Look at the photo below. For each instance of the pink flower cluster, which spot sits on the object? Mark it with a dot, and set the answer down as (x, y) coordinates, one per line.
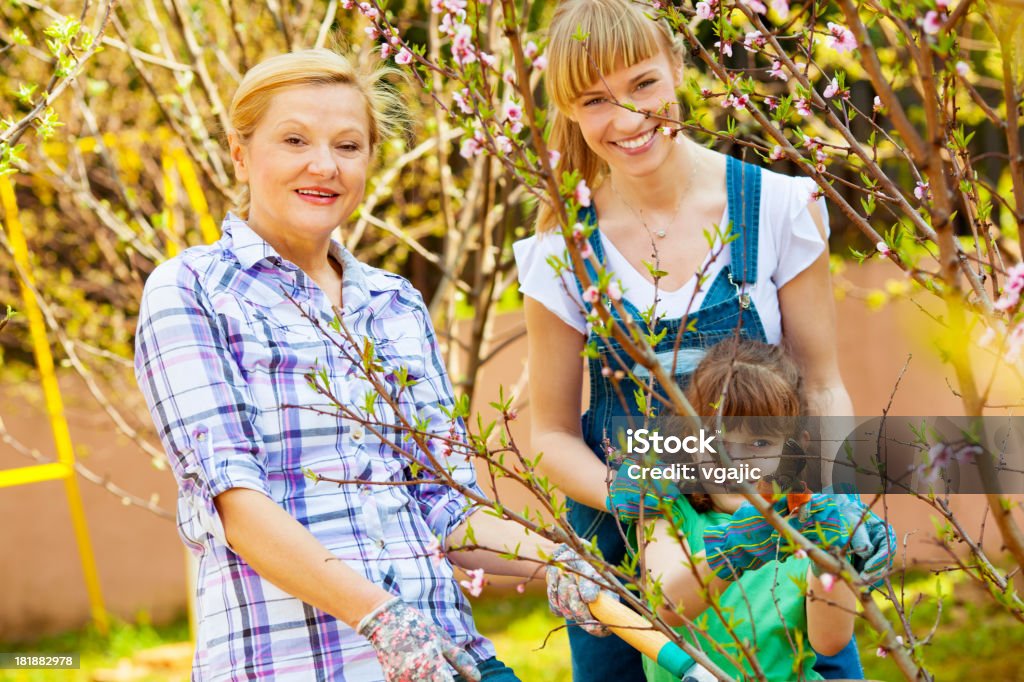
(476, 582)
(1012, 289)
(841, 39)
(941, 455)
(613, 291)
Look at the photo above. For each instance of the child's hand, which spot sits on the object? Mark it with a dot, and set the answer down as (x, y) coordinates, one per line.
(874, 541)
(572, 584)
(747, 541)
(627, 495)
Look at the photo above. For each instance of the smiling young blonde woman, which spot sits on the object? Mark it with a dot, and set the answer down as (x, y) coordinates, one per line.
(656, 193)
(300, 581)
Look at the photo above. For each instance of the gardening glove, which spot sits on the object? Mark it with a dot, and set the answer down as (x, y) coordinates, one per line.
(411, 648)
(572, 584)
(873, 543)
(626, 495)
(747, 541)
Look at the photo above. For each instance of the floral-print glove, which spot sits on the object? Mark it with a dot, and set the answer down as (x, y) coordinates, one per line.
(411, 648)
(873, 544)
(747, 541)
(572, 584)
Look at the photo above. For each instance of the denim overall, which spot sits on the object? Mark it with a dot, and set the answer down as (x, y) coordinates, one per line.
(727, 309)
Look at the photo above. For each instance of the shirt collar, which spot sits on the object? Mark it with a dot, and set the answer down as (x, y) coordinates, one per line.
(359, 280)
(249, 248)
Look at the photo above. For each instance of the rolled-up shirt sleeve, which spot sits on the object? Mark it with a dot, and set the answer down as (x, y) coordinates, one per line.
(444, 507)
(199, 399)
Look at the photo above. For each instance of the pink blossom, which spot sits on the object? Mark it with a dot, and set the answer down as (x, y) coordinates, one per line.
(735, 102)
(932, 23)
(800, 554)
(943, 5)
(434, 551)
(369, 11)
(530, 51)
(509, 76)
(781, 7)
(803, 106)
(962, 69)
(448, 25)
(614, 290)
(471, 147)
(828, 581)
(476, 583)
(841, 39)
(520, 588)
(771, 102)
(488, 59)
(877, 106)
(987, 338)
(540, 63)
(385, 50)
(372, 32)
(883, 249)
(777, 72)
(462, 46)
(404, 56)
(1015, 343)
(921, 191)
(461, 98)
(725, 48)
(777, 153)
(832, 89)
(704, 11)
(554, 156)
(755, 6)
(1012, 288)
(513, 112)
(606, 372)
(503, 144)
(582, 193)
(591, 295)
(754, 40)
(348, 4)
(586, 251)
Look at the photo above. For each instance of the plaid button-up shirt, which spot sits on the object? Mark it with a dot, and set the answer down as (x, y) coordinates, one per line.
(222, 357)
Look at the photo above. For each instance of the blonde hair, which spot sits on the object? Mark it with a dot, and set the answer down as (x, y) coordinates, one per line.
(318, 66)
(618, 34)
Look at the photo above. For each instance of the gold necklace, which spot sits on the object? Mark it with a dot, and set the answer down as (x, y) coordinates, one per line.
(660, 234)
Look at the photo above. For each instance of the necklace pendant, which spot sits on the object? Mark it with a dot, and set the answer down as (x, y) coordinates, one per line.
(660, 234)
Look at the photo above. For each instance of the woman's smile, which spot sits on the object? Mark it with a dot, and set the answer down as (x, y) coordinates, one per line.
(638, 143)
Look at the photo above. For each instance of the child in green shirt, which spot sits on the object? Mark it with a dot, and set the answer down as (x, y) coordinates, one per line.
(781, 610)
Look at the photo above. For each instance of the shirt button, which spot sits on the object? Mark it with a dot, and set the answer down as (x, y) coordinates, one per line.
(357, 433)
(380, 543)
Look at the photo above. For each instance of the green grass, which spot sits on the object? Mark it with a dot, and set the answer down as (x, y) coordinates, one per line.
(975, 639)
(96, 651)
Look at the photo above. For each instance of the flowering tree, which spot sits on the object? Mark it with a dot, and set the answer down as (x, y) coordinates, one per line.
(907, 115)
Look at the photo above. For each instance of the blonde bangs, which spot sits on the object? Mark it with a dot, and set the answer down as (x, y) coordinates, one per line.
(619, 34)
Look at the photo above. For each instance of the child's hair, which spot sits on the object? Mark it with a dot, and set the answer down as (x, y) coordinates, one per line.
(619, 33)
(754, 387)
(317, 66)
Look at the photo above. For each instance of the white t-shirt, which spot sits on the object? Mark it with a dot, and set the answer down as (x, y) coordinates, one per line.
(788, 243)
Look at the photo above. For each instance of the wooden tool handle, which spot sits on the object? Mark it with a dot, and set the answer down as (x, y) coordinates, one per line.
(628, 625)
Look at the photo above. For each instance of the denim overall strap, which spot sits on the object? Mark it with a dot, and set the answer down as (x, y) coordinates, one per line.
(743, 182)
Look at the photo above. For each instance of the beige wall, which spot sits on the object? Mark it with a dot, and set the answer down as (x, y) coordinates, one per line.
(141, 561)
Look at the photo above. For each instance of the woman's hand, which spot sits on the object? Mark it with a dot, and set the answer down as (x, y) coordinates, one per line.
(411, 648)
(572, 584)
